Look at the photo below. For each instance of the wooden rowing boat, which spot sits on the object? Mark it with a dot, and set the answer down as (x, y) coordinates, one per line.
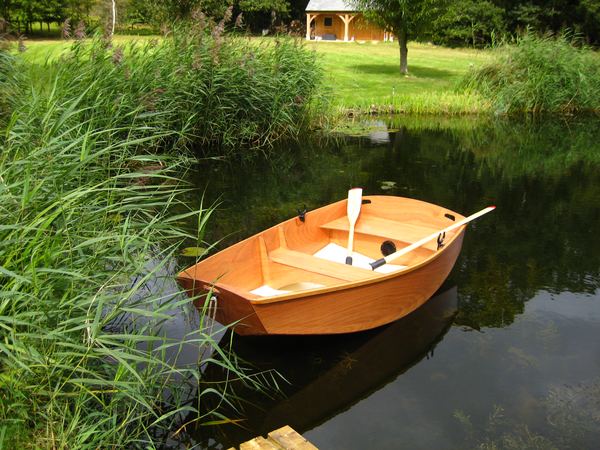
(291, 278)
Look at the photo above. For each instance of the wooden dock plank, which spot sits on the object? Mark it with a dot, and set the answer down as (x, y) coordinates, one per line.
(284, 438)
(259, 443)
(288, 439)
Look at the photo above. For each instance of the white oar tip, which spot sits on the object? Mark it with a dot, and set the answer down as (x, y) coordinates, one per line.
(492, 207)
(355, 196)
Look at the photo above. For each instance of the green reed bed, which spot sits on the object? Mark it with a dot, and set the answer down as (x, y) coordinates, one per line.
(222, 94)
(87, 229)
(92, 214)
(540, 74)
(8, 83)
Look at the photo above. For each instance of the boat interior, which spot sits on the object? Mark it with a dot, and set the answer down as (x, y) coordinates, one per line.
(309, 252)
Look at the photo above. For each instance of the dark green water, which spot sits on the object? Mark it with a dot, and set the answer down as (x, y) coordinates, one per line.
(506, 356)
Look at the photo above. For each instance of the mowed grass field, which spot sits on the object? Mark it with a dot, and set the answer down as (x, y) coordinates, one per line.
(365, 77)
(37, 51)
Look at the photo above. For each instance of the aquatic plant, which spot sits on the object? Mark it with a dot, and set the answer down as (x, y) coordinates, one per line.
(540, 74)
(221, 94)
(8, 81)
(92, 214)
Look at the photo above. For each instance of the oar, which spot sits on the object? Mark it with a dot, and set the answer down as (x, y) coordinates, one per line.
(389, 258)
(354, 202)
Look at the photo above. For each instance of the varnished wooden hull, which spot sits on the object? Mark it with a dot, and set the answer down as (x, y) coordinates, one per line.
(348, 299)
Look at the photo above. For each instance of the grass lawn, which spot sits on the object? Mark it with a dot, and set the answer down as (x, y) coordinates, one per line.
(366, 76)
(361, 76)
(38, 50)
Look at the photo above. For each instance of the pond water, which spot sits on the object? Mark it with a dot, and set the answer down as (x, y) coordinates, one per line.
(506, 355)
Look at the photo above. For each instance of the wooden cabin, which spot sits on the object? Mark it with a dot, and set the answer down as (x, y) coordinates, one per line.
(337, 20)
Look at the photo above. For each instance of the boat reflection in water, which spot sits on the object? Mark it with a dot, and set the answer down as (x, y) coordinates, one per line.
(325, 375)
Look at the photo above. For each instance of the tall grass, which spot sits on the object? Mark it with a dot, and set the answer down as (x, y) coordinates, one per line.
(221, 95)
(86, 230)
(8, 82)
(91, 218)
(540, 74)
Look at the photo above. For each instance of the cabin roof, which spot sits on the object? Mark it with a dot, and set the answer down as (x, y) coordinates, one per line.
(330, 5)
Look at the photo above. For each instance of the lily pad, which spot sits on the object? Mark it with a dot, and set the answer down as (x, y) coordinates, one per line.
(194, 251)
(387, 185)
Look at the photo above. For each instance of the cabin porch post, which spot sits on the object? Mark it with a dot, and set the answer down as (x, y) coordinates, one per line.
(346, 18)
(309, 18)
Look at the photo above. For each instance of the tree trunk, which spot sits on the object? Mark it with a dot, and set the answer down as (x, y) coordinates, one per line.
(114, 16)
(403, 51)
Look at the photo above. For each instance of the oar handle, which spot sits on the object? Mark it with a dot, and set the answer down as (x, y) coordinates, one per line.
(389, 258)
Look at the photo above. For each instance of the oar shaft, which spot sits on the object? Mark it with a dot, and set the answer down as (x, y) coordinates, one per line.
(350, 244)
(354, 204)
(425, 240)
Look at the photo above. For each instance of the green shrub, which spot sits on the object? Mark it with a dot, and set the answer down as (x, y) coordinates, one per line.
(540, 74)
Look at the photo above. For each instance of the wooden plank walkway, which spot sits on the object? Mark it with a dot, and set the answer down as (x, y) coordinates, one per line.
(284, 438)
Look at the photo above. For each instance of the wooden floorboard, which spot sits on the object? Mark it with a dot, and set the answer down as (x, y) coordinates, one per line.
(284, 438)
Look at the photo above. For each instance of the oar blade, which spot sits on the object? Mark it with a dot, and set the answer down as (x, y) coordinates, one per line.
(354, 203)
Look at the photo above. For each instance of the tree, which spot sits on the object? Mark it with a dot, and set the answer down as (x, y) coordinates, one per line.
(261, 14)
(590, 11)
(404, 18)
(469, 22)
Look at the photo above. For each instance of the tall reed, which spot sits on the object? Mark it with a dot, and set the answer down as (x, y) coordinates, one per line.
(92, 216)
(8, 82)
(540, 74)
(222, 95)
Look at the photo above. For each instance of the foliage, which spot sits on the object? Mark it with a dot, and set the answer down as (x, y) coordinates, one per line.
(91, 213)
(25, 12)
(263, 14)
(264, 5)
(469, 22)
(87, 246)
(590, 19)
(8, 83)
(220, 94)
(530, 16)
(538, 74)
(159, 12)
(405, 19)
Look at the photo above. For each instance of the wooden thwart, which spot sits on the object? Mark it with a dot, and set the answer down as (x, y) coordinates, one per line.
(284, 438)
(311, 263)
(384, 228)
